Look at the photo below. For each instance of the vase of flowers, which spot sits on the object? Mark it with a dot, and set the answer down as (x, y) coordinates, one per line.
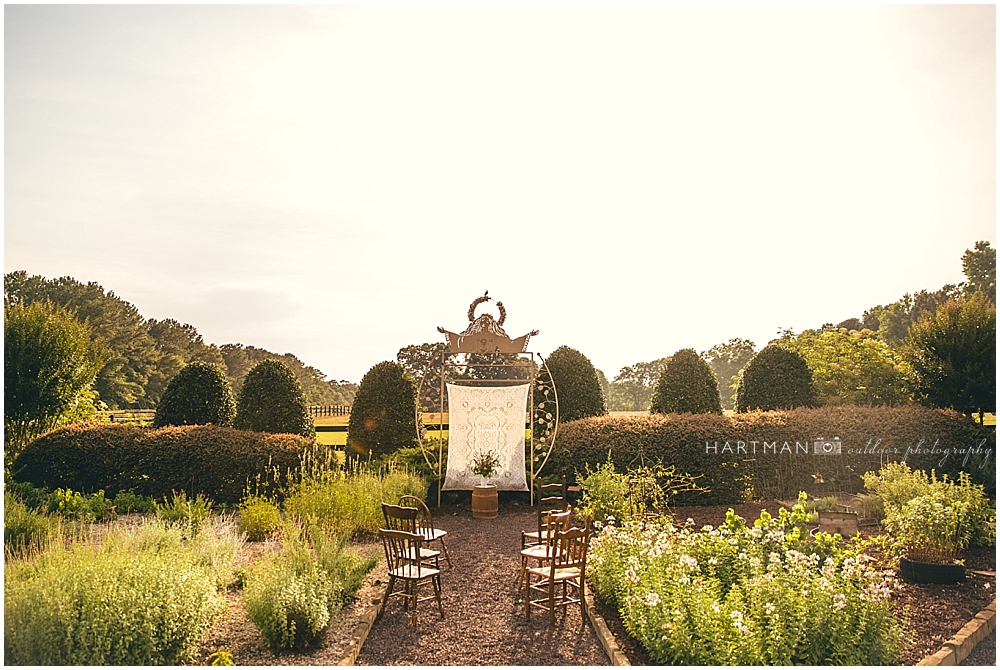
(485, 503)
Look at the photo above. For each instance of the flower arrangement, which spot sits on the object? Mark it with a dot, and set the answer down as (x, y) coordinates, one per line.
(485, 464)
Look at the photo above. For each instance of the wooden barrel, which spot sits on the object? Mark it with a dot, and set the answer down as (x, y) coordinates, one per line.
(484, 501)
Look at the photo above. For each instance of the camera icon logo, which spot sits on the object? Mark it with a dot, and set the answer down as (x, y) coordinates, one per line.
(823, 447)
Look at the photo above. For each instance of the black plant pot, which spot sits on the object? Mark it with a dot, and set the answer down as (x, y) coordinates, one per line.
(931, 573)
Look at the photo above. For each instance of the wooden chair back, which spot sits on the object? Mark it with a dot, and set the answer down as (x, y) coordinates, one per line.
(572, 548)
(398, 545)
(400, 518)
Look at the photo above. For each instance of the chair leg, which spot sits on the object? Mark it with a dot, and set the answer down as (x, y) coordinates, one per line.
(413, 596)
(552, 603)
(447, 555)
(385, 600)
(520, 577)
(583, 603)
(437, 593)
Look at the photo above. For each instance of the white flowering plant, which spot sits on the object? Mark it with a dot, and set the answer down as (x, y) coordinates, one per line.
(746, 594)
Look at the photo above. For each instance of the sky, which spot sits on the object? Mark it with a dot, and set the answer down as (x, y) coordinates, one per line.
(338, 181)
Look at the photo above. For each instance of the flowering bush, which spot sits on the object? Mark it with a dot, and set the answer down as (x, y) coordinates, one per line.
(746, 594)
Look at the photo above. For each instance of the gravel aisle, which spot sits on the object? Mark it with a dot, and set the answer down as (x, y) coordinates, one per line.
(484, 623)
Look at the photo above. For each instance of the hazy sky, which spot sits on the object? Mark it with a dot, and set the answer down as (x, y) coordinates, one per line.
(337, 181)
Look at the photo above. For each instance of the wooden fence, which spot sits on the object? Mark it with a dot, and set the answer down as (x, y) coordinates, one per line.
(330, 410)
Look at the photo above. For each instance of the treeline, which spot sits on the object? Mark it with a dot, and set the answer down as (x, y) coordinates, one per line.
(859, 361)
(143, 355)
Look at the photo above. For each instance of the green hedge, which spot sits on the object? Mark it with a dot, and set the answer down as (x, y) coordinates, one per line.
(211, 460)
(869, 436)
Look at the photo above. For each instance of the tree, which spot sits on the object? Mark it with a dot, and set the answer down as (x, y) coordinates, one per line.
(50, 362)
(577, 385)
(240, 359)
(775, 378)
(686, 384)
(272, 401)
(198, 394)
(980, 268)
(383, 415)
(851, 367)
(726, 361)
(632, 387)
(416, 357)
(953, 355)
(116, 323)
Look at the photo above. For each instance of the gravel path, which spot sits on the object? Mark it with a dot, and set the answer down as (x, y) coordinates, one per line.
(484, 620)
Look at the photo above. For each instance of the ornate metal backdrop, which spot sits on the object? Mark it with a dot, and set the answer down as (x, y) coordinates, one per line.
(484, 356)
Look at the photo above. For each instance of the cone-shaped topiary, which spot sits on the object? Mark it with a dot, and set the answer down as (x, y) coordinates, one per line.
(577, 385)
(686, 384)
(775, 378)
(199, 394)
(383, 415)
(272, 401)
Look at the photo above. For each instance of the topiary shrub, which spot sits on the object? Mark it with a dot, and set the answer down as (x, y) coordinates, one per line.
(272, 401)
(214, 461)
(199, 394)
(686, 384)
(577, 385)
(383, 415)
(775, 379)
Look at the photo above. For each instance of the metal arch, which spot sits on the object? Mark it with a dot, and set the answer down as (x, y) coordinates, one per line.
(545, 413)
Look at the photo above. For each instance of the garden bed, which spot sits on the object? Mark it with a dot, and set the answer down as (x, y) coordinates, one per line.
(936, 612)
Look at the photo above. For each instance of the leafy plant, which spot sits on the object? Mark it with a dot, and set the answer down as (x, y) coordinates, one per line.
(127, 501)
(259, 518)
(292, 596)
(123, 603)
(189, 514)
(73, 505)
(271, 400)
(604, 494)
(198, 394)
(931, 528)
(686, 384)
(25, 530)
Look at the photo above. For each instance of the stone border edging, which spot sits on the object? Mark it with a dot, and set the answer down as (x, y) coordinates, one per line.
(361, 630)
(603, 633)
(958, 648)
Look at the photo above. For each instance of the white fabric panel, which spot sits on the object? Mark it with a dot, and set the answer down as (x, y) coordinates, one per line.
(486, 419)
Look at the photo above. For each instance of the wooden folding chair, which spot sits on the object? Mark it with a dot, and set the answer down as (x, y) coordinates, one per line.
(566, 570)
(398, 545)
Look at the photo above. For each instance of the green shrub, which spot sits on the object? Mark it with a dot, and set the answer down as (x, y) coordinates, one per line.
(259, 518)
(188, 514)
(577, 385)
(350, 501)
(127, 501)
(272, 401)
(32, 496)
(215, 461)
(604, 494)
(870, 507)
(199, 394)
(113, 605)
(292, 596)
(934, 518)
(25, 530)
(686, 384)
(72, 505)
(775, 379)
(383, 415)
(697, 444)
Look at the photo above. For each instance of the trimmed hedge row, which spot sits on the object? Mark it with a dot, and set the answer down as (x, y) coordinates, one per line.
(215, 461)
(721, 448)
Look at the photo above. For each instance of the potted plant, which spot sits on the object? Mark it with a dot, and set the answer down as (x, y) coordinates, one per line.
(930, 531)
(485, 503)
